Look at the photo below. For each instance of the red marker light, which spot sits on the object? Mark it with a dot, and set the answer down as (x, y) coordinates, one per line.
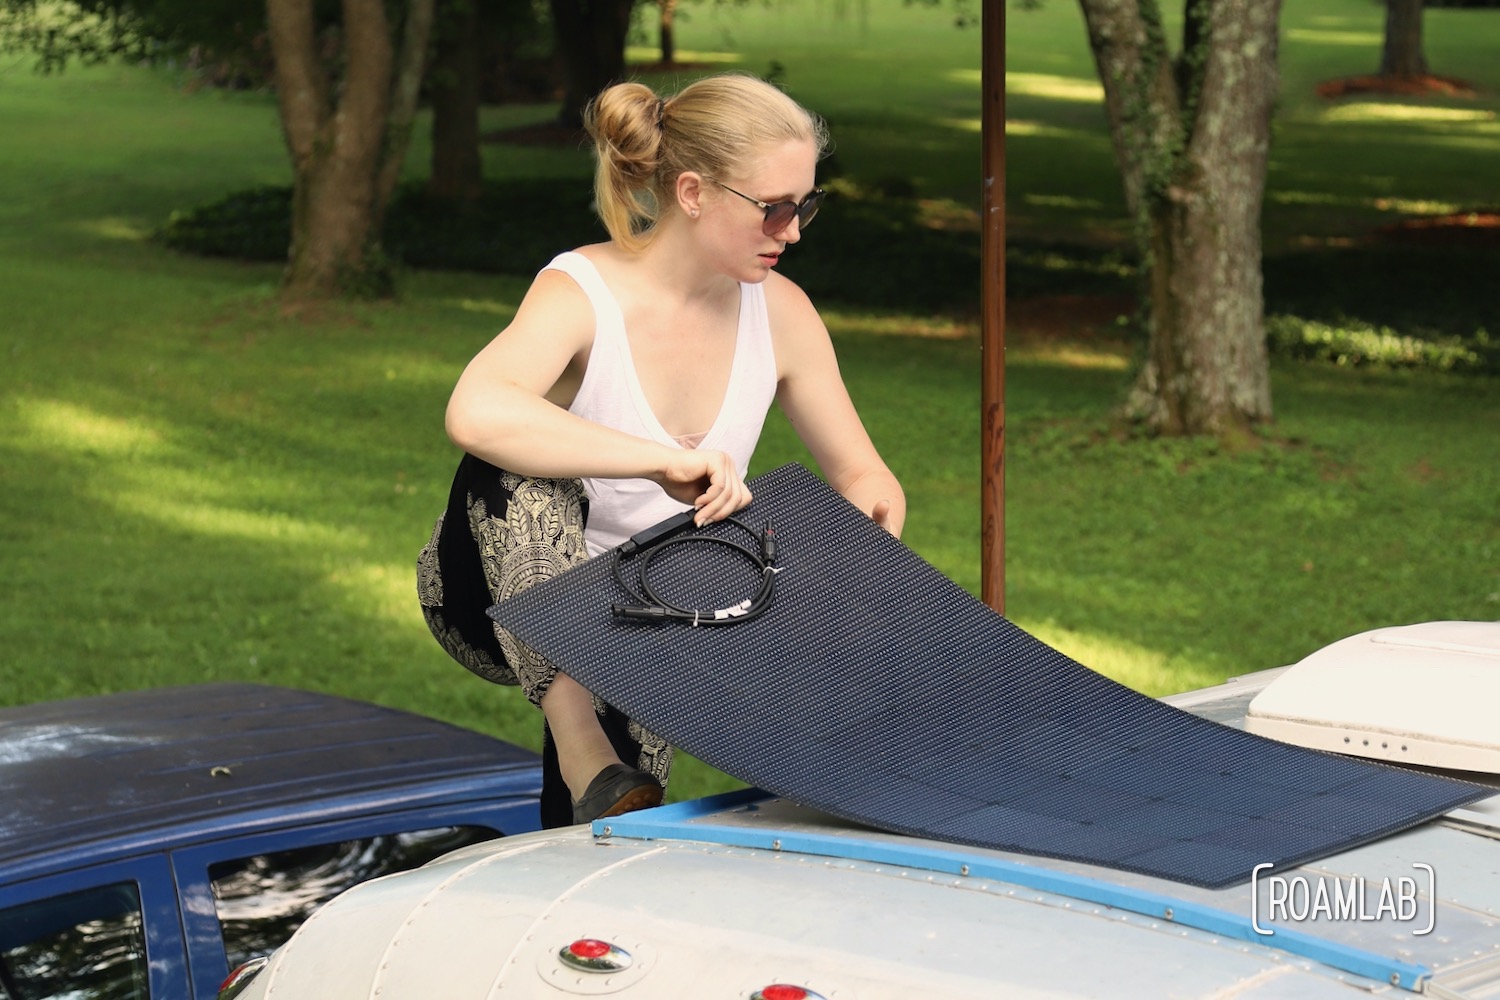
(239, 980)
(589, 948)
(784, 991)
(594, 955)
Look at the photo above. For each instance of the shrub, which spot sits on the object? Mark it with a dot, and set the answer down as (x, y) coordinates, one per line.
(512, 228)
(246, 225)
(1358, 344)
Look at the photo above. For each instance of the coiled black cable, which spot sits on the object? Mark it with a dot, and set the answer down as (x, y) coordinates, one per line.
(651, 606)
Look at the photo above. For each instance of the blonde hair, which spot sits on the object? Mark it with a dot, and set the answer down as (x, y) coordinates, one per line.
(642, 143)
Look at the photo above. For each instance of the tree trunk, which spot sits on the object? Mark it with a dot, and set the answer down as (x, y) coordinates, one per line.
(1192, 140)
(667, 31)
(591, 43)
(457, 163)
(339, 148)
(406, 91)
(1402, 55)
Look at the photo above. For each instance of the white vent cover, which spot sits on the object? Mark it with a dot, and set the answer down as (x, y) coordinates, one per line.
(1426, 694)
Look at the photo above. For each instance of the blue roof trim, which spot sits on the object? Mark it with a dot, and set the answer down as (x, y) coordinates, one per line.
(682, 812)
(679, 822)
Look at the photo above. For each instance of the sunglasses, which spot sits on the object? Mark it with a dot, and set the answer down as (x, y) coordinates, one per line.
(779, 215)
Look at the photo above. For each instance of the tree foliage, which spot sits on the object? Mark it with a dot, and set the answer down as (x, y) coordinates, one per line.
(91, 31)
(61, 31)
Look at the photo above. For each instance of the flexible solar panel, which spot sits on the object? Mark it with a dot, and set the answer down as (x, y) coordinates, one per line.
(874, 689)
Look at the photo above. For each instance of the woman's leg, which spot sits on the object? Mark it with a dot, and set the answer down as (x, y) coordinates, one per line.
(522, 531)
(582, 748)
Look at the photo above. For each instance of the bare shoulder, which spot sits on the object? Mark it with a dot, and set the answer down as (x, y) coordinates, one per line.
(797, 331)
(786, 300)
(555, 303)
(791, 312)
(599, 251)
(545, 347)
(552, 327)
(608, 259)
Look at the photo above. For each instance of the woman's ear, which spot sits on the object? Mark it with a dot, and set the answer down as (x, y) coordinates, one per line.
(689, 189)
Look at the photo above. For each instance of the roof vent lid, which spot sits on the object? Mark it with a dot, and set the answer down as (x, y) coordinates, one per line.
(1426, 695)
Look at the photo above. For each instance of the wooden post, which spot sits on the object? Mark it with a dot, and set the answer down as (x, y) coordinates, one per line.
(992, 306)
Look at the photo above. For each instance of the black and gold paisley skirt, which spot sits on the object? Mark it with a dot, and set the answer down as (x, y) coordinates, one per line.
(500, 534)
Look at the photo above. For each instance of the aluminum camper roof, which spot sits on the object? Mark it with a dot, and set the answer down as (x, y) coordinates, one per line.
(720, 897)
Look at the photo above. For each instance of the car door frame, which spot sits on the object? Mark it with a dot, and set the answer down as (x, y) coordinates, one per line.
(161, 919)
(202, 936)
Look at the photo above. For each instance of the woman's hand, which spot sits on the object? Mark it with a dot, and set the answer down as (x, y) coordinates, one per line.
(708, 480)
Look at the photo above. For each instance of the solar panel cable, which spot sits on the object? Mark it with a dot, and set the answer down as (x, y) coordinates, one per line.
(650, 605)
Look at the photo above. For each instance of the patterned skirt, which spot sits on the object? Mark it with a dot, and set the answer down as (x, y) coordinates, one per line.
(500, 534)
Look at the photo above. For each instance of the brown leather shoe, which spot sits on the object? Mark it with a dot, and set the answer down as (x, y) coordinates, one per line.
(619, 788)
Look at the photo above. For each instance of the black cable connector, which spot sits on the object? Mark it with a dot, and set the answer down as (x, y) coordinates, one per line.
(648, 537)
(655, 540)
(637, 611)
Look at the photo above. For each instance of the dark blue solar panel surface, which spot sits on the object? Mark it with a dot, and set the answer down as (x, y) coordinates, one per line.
(877, 690)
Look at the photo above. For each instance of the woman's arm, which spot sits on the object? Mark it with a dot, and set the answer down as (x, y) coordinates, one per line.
(509, 408)
(812, 394)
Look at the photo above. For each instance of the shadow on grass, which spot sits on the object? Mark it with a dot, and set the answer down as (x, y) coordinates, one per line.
(886, 250)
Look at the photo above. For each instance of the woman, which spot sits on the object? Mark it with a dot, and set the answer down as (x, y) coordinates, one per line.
(633, 383)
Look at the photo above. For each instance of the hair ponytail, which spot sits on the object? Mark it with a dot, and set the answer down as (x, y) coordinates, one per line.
(625, 124)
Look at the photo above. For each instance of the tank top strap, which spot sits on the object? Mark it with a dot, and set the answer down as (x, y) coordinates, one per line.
(607, 316)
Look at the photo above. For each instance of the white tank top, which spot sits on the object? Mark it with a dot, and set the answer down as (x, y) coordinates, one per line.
(611, 394)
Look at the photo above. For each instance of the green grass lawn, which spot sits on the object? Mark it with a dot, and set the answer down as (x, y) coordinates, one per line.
(198, 486)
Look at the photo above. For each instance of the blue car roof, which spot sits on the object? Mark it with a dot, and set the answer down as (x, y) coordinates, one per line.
(171, 759)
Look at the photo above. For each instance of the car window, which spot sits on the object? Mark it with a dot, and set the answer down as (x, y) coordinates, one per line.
(261, 900)
(87, 945)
